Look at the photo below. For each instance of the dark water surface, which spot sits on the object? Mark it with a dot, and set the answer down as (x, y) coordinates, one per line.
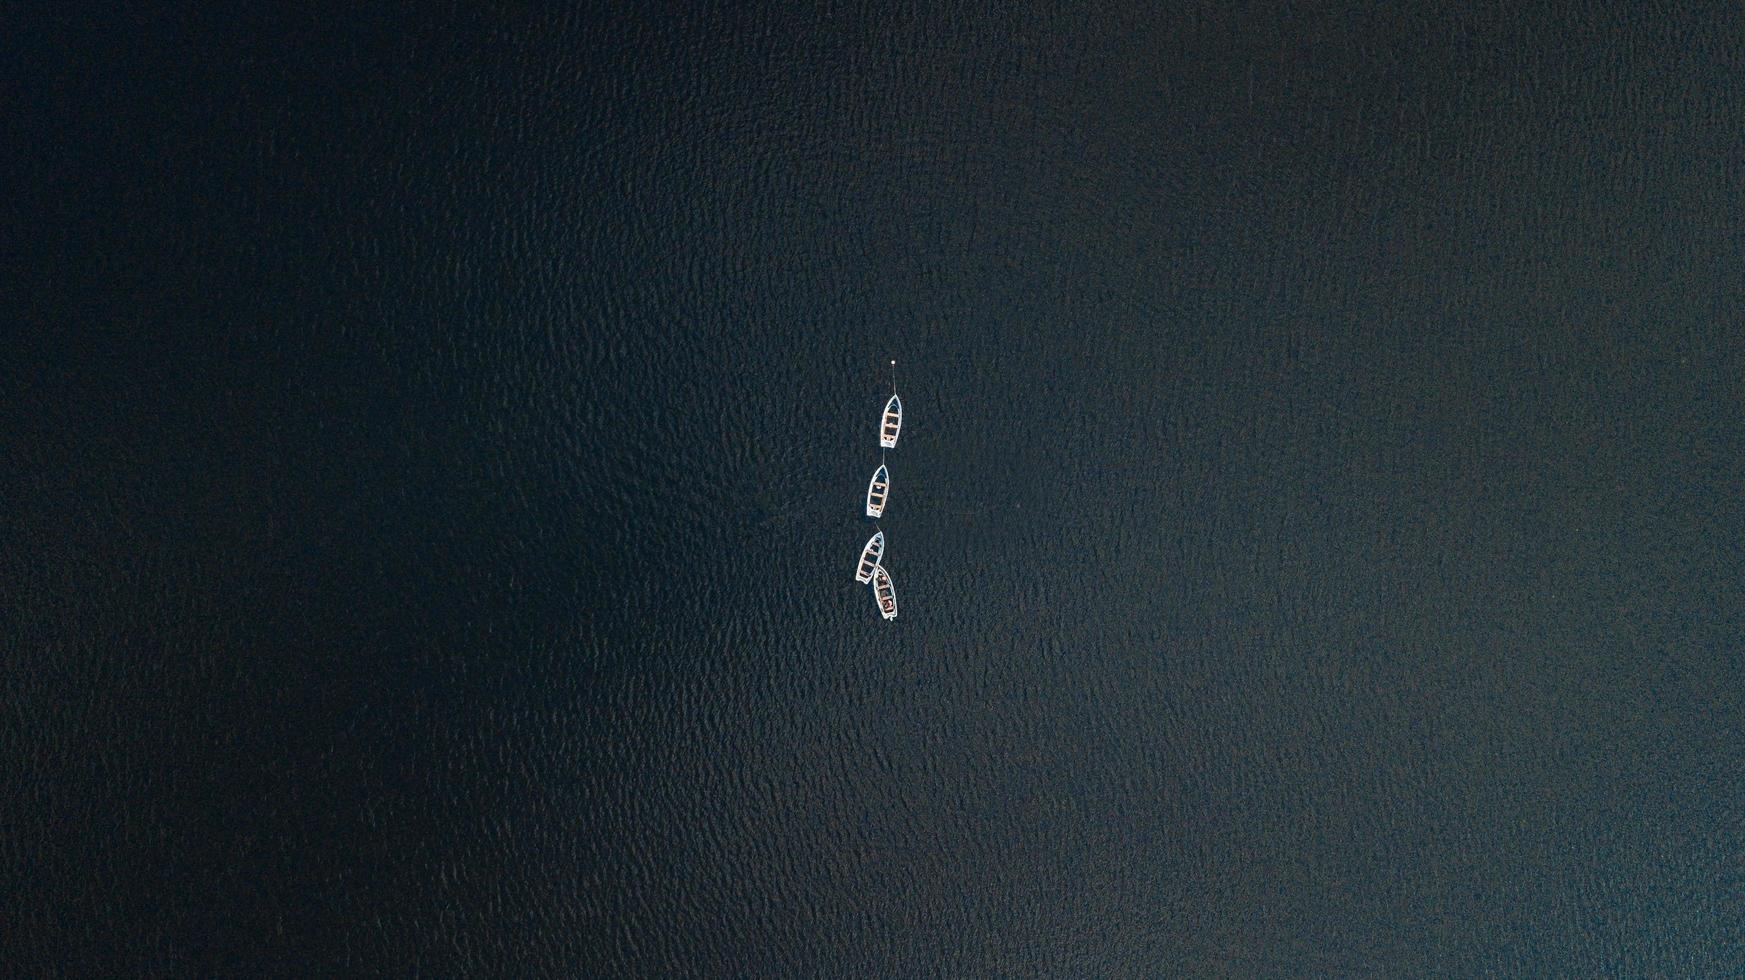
(433, 442)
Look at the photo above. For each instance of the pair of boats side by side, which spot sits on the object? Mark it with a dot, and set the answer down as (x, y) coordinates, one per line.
(871, 571)
(878, 491)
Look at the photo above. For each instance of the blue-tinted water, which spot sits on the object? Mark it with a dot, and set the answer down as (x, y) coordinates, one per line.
(435, 443)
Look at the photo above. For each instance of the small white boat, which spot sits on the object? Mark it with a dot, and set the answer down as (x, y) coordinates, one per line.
(892, 424)
(877, 491)
(883, 591)
(869, 557)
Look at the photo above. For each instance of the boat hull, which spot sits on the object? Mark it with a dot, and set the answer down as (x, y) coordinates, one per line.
(885, 593)
(869, 558)
(877, 492)
(891, 425)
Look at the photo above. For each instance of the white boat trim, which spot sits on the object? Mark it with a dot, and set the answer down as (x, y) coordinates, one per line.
(884, 592)
(877, 491)
(892, 424)
(869, 557)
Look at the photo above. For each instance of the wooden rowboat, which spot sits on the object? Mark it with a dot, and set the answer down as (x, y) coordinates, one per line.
(877, 491)
(892, 423)
(884, 592)
(869, 557)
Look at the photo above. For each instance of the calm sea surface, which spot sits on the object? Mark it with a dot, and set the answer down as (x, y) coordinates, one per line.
(433, 444)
